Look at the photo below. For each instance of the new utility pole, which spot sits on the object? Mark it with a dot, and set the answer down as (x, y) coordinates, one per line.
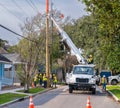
(47, 45)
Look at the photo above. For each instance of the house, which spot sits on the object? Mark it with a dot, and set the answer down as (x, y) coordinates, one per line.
(8, 64)
(16, 60)
(2, 50)
(4, 80)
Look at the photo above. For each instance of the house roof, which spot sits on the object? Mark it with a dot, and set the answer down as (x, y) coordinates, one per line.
(3, 59)
(14, 57)
(2, 50)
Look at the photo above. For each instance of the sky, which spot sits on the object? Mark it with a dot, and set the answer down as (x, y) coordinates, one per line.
(14, 12)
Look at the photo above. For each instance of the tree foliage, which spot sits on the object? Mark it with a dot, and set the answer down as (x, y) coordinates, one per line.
(106, 16)
(3, 42)
(32, 49)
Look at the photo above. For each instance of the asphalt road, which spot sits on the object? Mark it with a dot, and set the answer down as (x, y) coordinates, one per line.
(60, 98)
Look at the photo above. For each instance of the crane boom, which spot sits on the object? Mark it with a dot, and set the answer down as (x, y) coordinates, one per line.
(73, 49)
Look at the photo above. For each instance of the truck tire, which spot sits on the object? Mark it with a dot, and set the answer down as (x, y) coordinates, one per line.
(114, 82)
(70, 90)
(93, 90)
(97, 83)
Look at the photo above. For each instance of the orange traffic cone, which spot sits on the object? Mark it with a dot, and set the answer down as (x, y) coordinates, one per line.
(88, 105)
(31, 104)
(32, 84)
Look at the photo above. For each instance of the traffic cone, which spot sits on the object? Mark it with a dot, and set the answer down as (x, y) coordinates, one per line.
(33, 85)
(88, 105)
(31, 104)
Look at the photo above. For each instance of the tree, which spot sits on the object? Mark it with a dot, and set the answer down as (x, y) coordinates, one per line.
(31, 49)
(83, 33)
(108, 21)
(3, 42)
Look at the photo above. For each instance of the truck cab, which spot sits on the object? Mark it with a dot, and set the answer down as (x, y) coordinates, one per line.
(82, 77)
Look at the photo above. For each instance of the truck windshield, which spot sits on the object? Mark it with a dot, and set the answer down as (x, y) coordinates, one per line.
(83, 70)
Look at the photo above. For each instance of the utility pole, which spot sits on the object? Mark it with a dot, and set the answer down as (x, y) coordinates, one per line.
(51, 38)
(47, 45)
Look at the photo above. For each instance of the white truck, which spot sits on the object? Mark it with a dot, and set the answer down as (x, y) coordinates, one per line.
(82, 76)
(113, 80)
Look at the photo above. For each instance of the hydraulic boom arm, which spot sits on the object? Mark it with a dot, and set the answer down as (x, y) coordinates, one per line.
(74, 50)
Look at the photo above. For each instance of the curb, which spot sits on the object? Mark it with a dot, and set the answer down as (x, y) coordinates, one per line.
(113, 96)
(26, 97)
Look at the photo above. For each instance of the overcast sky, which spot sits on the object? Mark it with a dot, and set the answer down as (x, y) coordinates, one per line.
(14, 12)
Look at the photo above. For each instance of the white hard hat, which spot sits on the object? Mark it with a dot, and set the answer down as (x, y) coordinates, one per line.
(103, 75)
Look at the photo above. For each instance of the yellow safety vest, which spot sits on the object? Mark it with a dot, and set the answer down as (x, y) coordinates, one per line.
(44, 78)
(40, 76)
(103, 80)
(35, 78)
(55, 79)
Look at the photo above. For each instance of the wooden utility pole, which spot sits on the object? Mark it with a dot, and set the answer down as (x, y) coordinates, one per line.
(51, 39)
(47, 45)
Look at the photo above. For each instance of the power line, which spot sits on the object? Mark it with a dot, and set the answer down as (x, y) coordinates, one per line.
(17, 18)
(22, 36)
(18, 6)
(32, 6)
(16, 33)
(11, 12)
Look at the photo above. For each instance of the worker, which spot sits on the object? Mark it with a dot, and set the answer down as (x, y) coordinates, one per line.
(104, 82)
(54, 80)
(45, 81)
(40, 79)
(90, 59)
(35, 80)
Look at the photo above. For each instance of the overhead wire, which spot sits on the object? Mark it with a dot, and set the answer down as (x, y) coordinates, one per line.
(39, 48)
(16, 33)
(29, 3)
(19, 34)
(18, 6)
(34, 6)
(10, 12)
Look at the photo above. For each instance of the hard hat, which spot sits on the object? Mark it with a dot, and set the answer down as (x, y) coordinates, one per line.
(90, 55)
(103, 75)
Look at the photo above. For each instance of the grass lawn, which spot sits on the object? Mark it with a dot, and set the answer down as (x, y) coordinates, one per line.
(115, 90)
(33, 90)
(9, 97)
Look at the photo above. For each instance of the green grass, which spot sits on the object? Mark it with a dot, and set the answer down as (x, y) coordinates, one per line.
(36, 90)
(33, 90)
(115, 90)
(9, 97)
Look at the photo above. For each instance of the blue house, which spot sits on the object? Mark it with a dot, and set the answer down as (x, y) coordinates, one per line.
(3, 79)
(11, 69)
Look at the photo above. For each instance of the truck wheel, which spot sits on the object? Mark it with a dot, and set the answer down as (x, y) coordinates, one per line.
(97, 82)
(114, 82)
(93, 90)
(70, 90)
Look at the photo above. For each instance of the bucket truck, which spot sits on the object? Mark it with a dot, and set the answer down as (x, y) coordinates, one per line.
(82, 76)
